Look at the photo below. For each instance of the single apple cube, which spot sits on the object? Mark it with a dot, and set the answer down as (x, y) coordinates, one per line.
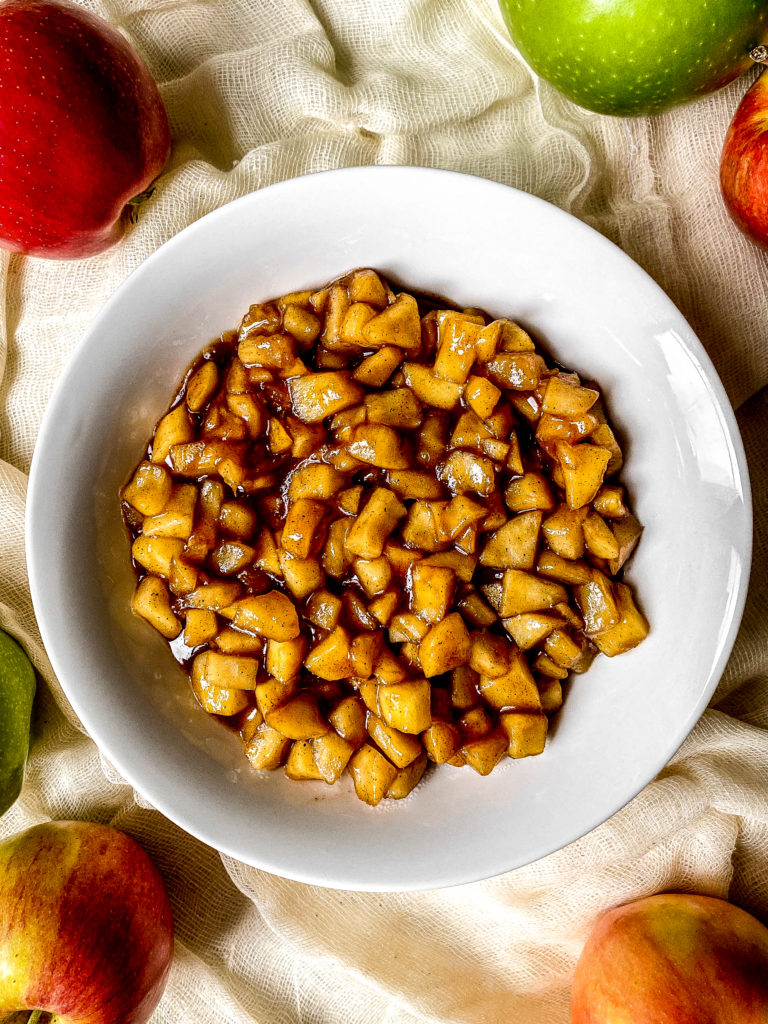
(545, 666)
(302, 575)
(173, 429)
(300, 764)
(550, 694)
(237, 519)
(515, 689)
(565, 398)
(564, 570)
(406, 705)
(217, 595)
(530, 628)
(234, 641)
(599, 537)
(267, 749)
(323, 609)
(182, 578)
(232, 556)
(149, 492)
(384, 607)
(301, 526)
(226, 671)
(395, 408)
(475, 610)
(596, 604)
(378, 445)
(457, 336)
(630, 629)
(482, 396)
(415, 484)
(502, 335)
(465, 472)
(523, 592)
(285, 657)
(314, 480)
(369, 531)
(272, 615)
(424, 528)
(461, 564)
(445, 647)
(336, 557)
(372, 774)
(529, 492)
(627, 533)
(348, 719)
(429, 389)
(490, 654)
(177, 519)
(329, 659)
(407, 778)
(155, 554)
(441, 741)
(299, 718)
(375, 370)
(399, 324)
(301, 324)
(520, 371)
(464, 693)
(317, 395)
(583, 467)
(355, 319)
(152, 601)
(432, 588)
(513, 546)
(200, 626)
(365, 652)
(564, 531)
(331, 753)
(526, 733)
(407, 627)
(485, 753)
(563, 649)
(366, 286)
(202, 385)
(270, 693)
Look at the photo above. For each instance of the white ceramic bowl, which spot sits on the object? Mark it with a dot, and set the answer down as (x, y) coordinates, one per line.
(480, 244)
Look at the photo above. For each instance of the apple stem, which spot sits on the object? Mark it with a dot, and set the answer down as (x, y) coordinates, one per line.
(760, 54)
(37, 1016)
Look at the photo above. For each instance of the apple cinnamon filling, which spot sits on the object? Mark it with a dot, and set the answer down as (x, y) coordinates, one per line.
(380, 533)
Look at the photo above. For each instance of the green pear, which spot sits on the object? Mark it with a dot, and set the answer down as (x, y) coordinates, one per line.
(17, 691)
(632, 57)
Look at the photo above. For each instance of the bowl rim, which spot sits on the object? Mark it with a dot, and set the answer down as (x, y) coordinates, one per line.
(36, 492)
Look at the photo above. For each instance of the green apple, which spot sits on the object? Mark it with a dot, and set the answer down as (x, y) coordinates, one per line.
(17, 691)
(631, 57)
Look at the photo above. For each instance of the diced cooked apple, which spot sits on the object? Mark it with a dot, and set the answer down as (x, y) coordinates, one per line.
(432, 588)
(482, 396)
(365, 652)
(564, 398)
(515, 689)
(329, 659)
(268, 748)
(520, 371)
(630, 628)
(378, 445)
(299, 718)
(414, 483)
(528, 492)
(596, 604)
(465, 472)
(375, 370)
(441, 741)
(370, 530)
(526, 733)
(599, 537)
(173, 429)
(150, 489)
(485, 753)
(317, 395)
(550, 693)
(490, 654)
(152, 601)
(398, 324)
(218, 701)
(399, 747)
(348, 719)
(272, 615)
(155, 554)
(627, 533)
(323, 609)
(514, 545)
(445, 647)
(314, 480)
(523, 592)
(200, 626)
(407, 778)
(530, 628)
(235, 641)
(372, 774)
(583, 466)
(429, 389)
(395, 408)
(331, 753)
(302, 576)
(406, 706)
(226, 671)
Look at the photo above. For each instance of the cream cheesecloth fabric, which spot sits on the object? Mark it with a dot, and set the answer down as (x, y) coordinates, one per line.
(262, 90)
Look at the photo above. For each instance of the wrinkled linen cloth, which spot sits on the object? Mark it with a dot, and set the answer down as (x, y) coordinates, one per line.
(262, 90)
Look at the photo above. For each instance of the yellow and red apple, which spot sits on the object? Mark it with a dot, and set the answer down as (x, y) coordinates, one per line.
(744, 163)
(86, 931)
(673, 959)
(83, 130)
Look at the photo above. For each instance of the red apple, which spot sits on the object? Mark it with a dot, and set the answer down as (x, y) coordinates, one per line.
(83, 130)
(86, 930)
(673, 959)
(744, 163)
